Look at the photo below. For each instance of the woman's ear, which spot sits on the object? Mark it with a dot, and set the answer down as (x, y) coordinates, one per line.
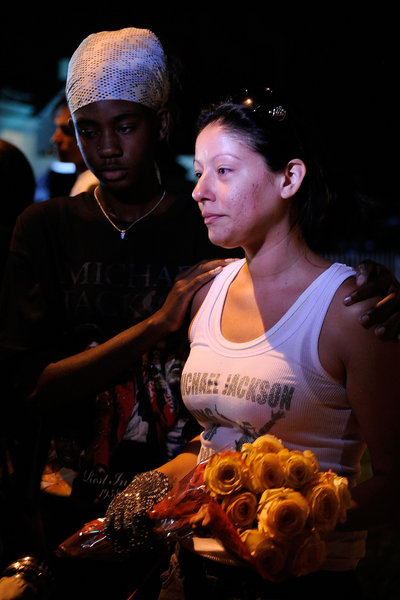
(164, 119)
(293, 176)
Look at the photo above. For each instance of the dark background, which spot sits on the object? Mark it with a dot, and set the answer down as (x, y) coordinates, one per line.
(337, 63)
(341, 66)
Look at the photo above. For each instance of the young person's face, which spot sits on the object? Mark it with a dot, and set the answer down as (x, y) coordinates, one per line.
(118, 139)
(239, 197)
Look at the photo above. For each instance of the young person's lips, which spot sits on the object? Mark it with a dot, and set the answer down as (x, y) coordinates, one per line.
(112, 174)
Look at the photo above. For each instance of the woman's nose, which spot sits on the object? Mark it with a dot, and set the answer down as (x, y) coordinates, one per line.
(201, 190)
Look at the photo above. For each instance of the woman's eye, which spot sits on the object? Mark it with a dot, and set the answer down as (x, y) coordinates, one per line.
(223, 170)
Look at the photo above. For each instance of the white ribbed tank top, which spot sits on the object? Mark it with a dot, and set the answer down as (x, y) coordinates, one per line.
(273, 384)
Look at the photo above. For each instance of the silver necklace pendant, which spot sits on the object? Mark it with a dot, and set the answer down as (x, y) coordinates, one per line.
(123, 231)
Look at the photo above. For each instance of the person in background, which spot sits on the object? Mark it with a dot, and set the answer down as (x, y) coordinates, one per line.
(18, 188)
(19, 184)
(67, 150)
(275, 317)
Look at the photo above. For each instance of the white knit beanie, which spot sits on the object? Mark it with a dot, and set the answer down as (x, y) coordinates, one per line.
(128, 64)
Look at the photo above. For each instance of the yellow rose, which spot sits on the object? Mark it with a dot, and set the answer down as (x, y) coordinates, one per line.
(282, 513)
(341, 486)
(324, 503)
(300, 467)
(241, 508)
(268, 554)
(306, 555)
(265, 471)
(267, 443)
(225, 473)
(248, 452)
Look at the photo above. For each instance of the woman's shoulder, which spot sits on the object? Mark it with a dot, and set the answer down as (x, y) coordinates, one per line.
(342, 332)
(341, 318)
(352, 312)
(233, 265)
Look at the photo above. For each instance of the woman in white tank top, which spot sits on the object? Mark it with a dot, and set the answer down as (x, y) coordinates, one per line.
(273, 343)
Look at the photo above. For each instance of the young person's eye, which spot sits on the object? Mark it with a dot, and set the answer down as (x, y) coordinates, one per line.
(86, 132)
(126, 127)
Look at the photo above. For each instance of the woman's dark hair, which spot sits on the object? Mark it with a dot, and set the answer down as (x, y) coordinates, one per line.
(269, 129)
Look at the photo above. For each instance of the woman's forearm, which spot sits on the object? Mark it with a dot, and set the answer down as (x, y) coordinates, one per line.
(181, 465)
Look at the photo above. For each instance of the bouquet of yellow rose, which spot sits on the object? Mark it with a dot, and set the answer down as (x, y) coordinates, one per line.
(266, 504)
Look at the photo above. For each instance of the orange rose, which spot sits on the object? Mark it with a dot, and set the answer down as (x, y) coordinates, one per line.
(324, 503)
(268, 554)
(225, 473)
(282, 513)
(265, 471)
(300, 467)
(306, 555)
(241, 508)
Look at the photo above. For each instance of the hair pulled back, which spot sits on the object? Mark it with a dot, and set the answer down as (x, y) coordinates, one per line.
(269, 128)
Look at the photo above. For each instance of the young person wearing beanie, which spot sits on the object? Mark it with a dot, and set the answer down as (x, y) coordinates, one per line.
(90, 314)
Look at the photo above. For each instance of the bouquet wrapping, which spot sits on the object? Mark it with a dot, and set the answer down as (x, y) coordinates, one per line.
(267, 505)
(89, 542)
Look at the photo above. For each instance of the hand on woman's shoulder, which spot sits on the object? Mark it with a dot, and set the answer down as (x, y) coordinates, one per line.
(342, 334)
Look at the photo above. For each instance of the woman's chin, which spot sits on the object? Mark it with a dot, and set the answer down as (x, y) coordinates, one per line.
(221, 242)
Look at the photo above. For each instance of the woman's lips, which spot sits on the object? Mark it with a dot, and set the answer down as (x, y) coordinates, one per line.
(210, 218)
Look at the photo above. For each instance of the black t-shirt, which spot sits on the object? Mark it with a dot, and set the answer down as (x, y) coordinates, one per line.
(72, 282)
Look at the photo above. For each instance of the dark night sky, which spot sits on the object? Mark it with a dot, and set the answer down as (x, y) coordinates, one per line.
(341, 68)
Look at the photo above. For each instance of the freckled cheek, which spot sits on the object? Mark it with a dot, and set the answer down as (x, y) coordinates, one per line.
(257, 192)
(245, 203)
